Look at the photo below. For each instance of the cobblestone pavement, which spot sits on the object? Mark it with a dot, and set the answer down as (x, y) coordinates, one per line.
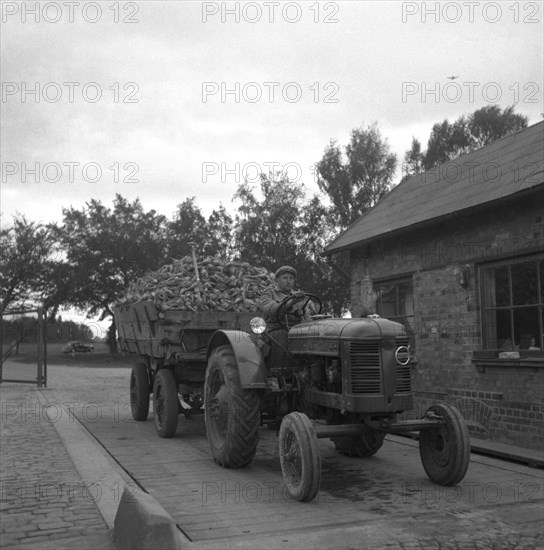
(43, 501)
(383, 502)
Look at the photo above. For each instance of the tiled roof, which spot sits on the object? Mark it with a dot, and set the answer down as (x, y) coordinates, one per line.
(503, 168)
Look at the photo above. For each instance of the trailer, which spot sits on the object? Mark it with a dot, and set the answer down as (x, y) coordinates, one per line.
(172, 349)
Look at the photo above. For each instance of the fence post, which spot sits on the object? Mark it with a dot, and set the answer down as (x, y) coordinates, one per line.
(40, 347)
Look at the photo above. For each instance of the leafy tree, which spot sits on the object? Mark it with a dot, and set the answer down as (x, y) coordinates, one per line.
(447, 142)
(318, 227)
(25, 262)
(188, 225)
(220, 234)
(356, 184)
(450, 140)
(267, 228)
(280, 227)
(490, 123)
(106, 249)
(413, 160)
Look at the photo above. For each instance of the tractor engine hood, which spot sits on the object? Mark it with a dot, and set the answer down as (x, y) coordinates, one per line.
(323, 337)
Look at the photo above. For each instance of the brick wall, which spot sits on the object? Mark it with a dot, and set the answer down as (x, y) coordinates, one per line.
(505, 404)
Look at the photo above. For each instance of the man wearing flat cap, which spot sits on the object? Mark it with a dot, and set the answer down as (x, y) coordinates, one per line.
(292, 311)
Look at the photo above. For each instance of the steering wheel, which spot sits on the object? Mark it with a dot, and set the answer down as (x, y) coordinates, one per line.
(280, 313)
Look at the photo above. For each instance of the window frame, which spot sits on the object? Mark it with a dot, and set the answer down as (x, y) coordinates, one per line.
(402, 319)
(509, 263)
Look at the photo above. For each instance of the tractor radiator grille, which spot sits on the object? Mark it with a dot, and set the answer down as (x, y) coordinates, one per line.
(365, 367)
(404, 375)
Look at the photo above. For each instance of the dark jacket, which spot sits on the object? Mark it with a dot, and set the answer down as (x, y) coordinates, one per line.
(269, 304)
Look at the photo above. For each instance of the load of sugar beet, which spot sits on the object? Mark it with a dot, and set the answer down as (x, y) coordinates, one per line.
(220, 285)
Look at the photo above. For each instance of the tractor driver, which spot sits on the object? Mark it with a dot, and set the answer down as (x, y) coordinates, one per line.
(292, 312)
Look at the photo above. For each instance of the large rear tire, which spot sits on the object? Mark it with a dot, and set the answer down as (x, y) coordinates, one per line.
(139, 392)
(231, 413)
(165, 403)
(300, 458)
(445, 451)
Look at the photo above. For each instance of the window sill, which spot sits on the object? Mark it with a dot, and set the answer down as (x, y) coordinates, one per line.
(481, 360)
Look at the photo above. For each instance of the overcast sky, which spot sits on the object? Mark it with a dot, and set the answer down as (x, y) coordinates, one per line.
(169, 100)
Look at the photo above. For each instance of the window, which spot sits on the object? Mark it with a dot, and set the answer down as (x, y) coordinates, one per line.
(512, 295)
(396, 302)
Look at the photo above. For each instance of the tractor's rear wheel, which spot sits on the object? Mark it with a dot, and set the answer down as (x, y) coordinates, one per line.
(165, 403)
(300, 458)
(232, 414)
(139, 392)
(445, 450)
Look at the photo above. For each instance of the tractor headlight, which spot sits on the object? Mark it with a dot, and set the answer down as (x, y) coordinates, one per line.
(258, 325)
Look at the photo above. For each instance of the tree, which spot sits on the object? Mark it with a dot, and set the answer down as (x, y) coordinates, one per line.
(357, 184)
(25, 262)
(188, 225)
(107, 249)
(280, 227)
(447, 142)
(450, 140)
(267, 229)
(489, 124)
(413, 160)
(220, 233)
(318, 227)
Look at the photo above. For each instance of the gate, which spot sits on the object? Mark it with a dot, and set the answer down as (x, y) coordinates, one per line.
(22, 343)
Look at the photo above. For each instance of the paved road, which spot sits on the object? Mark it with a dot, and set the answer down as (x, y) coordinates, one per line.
(382, 502)
(44, 502)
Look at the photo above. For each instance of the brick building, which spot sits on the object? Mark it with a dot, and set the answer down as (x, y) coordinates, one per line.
(457, 255)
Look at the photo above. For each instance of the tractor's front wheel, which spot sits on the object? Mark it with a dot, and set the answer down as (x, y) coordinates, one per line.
(165, 403)
(300, 458)
(445, 450)
(231, 413)
(139, 392)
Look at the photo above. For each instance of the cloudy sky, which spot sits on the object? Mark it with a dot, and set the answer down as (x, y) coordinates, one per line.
(168, 100)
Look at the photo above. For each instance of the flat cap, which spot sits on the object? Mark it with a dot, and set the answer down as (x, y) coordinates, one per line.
(286, 269)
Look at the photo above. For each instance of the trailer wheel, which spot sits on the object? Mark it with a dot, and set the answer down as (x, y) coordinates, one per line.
(139, 392)
(165, 403)
(231, 413)
(300, 458)
(445, 451)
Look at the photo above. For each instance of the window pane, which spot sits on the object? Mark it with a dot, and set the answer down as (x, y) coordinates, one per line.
(541, 281)
(388, 301)
(524, 284)
(540, 341)
(406, 299)
(498, 330)
(526, 327)
(496, 287)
